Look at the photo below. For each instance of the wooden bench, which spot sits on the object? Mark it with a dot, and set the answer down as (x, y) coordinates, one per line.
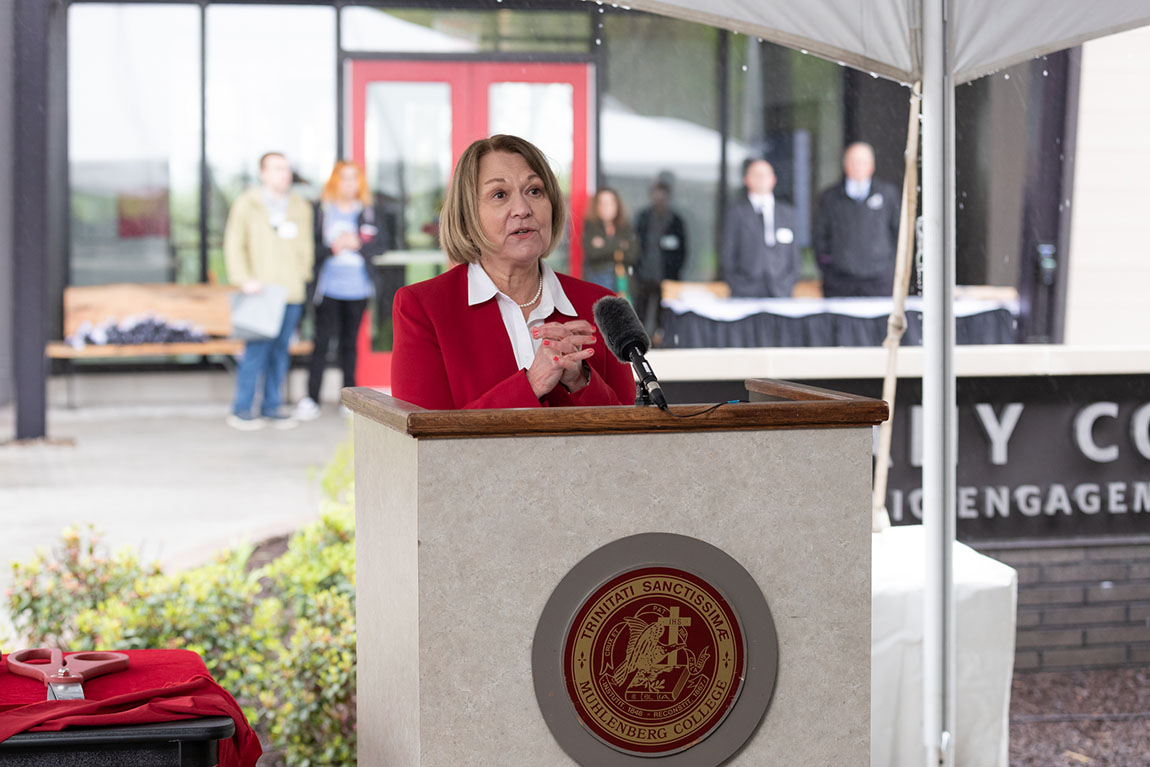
(205, 306)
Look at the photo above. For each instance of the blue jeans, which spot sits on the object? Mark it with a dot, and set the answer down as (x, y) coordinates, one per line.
(267, 359)
(603, 276)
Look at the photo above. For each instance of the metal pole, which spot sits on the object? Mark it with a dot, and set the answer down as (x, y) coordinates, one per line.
(205, 173)
(724, 92)
(340, 101)
(938, 387)
(30, 215)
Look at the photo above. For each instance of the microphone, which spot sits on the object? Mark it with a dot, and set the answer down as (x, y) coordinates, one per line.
(625, 338)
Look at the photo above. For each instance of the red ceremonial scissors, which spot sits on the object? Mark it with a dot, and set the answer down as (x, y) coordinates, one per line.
(65, 677)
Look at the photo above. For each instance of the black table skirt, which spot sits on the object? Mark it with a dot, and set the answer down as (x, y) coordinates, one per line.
(692, 331)
(182, 743)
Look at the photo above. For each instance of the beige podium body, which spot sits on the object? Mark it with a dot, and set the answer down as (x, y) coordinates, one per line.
(467, 520)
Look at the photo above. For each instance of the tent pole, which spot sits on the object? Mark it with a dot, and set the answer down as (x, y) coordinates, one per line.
(896, 324)
(938, 388)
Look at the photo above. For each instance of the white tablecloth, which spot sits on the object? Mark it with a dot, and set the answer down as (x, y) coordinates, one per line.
(707, 304)
(986, 594)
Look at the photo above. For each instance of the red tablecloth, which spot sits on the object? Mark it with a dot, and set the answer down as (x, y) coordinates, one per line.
(159, 686)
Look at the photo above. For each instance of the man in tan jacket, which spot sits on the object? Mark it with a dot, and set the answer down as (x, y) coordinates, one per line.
(268, 241)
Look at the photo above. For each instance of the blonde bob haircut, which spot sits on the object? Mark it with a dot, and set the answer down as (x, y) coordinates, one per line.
(460, 233)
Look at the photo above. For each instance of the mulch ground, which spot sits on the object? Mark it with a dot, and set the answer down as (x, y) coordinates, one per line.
(267, 551)
(1076, 718)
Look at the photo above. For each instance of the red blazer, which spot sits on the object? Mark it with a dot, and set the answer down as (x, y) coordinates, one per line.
(448, 355)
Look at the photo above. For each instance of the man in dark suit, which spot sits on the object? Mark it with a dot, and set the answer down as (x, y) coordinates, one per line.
(856, 229)
(662, 253)
(760, 258)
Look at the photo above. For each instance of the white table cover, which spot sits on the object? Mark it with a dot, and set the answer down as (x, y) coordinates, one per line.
(985, 594)
(707, 304)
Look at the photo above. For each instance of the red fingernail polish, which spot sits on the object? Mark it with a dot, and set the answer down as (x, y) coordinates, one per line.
(546, 342)
(556, 359)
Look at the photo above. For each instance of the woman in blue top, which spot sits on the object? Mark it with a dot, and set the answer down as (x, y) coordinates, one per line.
(347, 236)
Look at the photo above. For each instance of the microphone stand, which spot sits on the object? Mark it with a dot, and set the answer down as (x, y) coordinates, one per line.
(647, 380)
(645, 395)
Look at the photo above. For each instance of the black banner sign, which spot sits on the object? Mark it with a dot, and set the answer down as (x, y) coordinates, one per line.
(1038, 456)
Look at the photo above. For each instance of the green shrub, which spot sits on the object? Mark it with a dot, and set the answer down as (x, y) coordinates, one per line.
(320, 557)
(281, 638)
(214, 610)
(312, 687)
(55, 586)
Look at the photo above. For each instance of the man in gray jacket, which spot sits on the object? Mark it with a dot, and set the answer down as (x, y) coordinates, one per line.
(760, 258)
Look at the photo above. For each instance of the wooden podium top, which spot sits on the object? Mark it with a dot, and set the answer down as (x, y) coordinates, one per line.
(786, 406)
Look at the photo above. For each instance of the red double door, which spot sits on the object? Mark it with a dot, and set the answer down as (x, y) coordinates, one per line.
(410, 122)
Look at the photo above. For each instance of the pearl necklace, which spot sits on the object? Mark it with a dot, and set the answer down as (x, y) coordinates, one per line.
(538, 293)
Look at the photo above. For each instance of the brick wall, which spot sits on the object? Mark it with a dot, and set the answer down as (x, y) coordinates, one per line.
(1085, 605)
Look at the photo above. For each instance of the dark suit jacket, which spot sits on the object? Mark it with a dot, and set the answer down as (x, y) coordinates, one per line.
(750, 267)
(673, 258)
(449, 355)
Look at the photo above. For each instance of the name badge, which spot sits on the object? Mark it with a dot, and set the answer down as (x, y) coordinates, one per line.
(288, 230)
(669, 242)
(784, 236)
(874, 202)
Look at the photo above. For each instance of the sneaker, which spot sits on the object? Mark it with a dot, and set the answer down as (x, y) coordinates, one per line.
(244, 422)
(281, 422)
(306, 410)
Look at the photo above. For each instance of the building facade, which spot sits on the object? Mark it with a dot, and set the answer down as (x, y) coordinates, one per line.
(134, 125)
(158, 113)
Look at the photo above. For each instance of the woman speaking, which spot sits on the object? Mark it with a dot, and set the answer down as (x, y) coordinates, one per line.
(502, 329)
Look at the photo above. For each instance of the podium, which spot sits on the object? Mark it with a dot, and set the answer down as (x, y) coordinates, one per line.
(468, 522)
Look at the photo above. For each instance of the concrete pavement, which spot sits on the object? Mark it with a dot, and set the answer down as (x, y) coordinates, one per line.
(171, 480)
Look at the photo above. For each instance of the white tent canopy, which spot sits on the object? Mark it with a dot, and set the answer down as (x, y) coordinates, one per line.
(885, 36)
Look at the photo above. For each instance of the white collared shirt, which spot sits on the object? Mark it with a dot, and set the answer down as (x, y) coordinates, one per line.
(480, 288)
(765, 205)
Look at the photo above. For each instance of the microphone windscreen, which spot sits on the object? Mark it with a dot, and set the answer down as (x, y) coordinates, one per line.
(620, 326)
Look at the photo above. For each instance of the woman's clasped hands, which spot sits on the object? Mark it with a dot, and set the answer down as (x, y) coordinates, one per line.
(560, 357)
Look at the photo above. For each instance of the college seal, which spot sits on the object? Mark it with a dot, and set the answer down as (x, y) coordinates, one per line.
(656, 646)
(654, 661)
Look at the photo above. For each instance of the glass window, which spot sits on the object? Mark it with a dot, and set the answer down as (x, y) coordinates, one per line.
(800, 112)
(410, 30)
(270, 87)
(786, 107)
(542, 113)
(1009, 129)
(408, 155)
(134, 143)
(659, 118)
